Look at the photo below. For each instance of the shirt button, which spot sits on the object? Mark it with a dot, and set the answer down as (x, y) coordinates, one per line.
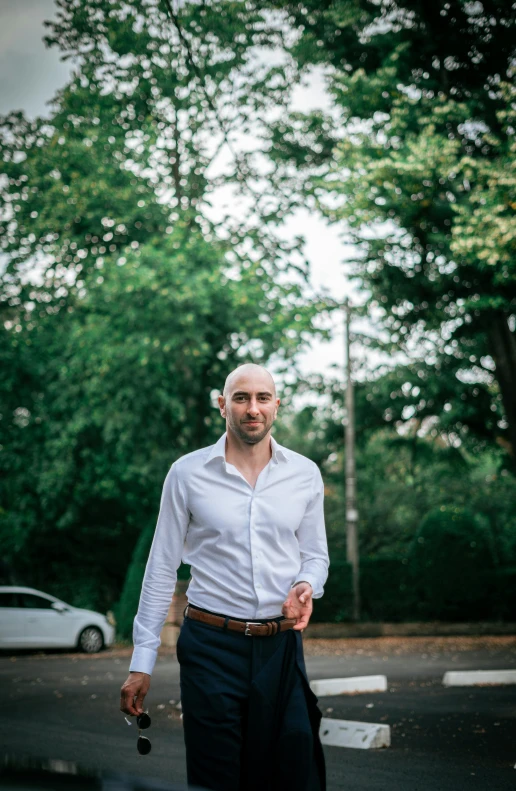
(258, 586)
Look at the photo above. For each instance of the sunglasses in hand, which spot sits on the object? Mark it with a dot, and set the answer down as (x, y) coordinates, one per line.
(143, 722)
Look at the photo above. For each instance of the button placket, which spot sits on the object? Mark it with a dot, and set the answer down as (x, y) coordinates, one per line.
(255, 548)
(255, 552)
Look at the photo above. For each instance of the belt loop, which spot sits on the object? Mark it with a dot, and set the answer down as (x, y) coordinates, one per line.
(185, 611)
(226, 621)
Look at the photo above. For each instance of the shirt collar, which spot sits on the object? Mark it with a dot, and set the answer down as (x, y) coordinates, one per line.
(218, 451)
(279, 453)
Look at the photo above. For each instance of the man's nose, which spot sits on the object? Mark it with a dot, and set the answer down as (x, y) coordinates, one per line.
(253, 407)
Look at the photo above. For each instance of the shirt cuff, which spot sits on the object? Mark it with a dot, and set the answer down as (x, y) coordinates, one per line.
(143, 660)
(317, 589)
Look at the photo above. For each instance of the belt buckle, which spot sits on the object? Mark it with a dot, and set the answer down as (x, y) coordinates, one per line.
(248, 624)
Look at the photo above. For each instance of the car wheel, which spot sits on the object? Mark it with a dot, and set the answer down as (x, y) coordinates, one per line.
(91, 640)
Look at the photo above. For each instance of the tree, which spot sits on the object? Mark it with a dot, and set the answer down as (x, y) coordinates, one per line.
(417, 159)
(113, 391)
(152, 123)
(447, 539)
(124, 302)
(401, 477)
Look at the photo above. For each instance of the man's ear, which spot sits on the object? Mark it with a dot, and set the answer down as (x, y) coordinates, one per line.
(222, 405)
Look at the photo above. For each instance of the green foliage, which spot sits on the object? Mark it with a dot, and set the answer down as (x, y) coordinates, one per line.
(128, 604)
(392, 591)
(117, 387)
(416, 160)
(451, 565)
(506, 586)
(123, 303)
(139, 140)
(400, 479)
(400, 475)
(337, 603)
(385, 594)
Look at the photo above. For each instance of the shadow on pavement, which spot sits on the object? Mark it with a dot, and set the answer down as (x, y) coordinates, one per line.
(20, 773)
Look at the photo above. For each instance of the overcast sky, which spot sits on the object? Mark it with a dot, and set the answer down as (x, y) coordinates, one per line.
(30, 74)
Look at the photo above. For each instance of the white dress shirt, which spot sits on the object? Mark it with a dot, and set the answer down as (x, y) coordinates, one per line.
(246, 547)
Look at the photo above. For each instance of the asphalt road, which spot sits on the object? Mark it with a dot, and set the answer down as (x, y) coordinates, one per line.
(65, 706)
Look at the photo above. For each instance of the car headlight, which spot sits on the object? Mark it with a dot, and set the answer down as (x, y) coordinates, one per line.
(110, 617)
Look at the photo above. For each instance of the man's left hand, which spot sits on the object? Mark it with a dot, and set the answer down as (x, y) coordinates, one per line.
(298, 605)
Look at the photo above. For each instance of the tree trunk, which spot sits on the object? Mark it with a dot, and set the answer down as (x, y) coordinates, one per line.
(502, 342)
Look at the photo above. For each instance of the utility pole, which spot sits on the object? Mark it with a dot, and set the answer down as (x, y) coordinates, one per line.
(351, 480)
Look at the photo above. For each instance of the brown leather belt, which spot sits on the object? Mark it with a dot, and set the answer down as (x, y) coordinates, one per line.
(249, 628)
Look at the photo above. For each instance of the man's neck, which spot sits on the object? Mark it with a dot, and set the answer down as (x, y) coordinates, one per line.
(245, 456)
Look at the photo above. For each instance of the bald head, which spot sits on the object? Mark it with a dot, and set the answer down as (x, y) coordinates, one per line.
(249, 372)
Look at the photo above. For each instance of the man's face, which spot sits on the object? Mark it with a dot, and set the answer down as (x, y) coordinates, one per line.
(250, 406)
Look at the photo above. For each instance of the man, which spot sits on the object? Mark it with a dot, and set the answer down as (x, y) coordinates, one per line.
(247, 515)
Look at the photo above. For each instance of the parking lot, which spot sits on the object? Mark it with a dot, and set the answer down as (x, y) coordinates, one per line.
(65, 706)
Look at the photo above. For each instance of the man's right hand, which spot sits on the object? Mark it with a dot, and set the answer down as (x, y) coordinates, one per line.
(133, 693)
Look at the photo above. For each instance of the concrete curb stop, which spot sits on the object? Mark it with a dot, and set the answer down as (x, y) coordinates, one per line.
(471, 678)
(359, 735)
(348, 686)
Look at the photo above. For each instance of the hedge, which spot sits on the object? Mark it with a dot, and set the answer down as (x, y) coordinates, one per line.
(390, 592)
(385, 592)
(452, 568)
(337, 602)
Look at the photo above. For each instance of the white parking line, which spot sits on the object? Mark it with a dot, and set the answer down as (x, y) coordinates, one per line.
(471, 678)
(347, 686)
(359, 735)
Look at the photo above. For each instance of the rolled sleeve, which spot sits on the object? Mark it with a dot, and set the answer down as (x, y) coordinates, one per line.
(311, 536)
(160, 573)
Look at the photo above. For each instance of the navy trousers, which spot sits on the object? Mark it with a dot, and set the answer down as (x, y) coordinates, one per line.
(250, 719)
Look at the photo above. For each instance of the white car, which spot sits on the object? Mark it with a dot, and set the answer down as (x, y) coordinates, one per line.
(32, 619)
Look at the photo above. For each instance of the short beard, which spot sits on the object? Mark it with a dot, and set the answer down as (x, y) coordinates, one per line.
(250, 439)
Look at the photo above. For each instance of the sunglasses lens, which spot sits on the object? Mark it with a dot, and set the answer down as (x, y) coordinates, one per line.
(143, 745)
(143, 721)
